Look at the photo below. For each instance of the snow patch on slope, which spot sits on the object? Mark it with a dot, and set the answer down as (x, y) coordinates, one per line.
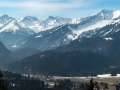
(116, 14)
(15, 46)
(109, 38)
(38, 36)
(90, 26)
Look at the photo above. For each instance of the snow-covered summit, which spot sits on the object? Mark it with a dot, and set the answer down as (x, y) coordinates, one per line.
(9, 24)
(5, 18)
(108, 14)
(29, 18)
(51, 22)
(98, 20)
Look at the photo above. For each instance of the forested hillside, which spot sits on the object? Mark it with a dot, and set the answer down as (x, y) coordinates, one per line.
(64, 63)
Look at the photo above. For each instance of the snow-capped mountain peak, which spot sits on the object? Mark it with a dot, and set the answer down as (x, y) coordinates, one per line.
(5, 18)
(105, 14)
(58, 19)
(109, 14)
(30, 18)
(51, 17)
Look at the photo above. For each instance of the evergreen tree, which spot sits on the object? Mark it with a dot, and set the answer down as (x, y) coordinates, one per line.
(3, 84)
(55, 86)
(91, 85)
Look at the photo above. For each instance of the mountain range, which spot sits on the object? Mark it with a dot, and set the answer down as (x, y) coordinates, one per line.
(55, 31)
(13, 30)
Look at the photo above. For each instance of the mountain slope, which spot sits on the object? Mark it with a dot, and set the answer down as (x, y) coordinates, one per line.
(102, 32)
(6, 56)
(109, 45)
(25, 52)
(96, 22)
(46, 40)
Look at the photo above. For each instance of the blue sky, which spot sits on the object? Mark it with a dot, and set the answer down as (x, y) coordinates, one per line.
(66, 8)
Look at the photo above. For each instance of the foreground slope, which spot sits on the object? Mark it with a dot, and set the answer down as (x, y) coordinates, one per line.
(65, 63)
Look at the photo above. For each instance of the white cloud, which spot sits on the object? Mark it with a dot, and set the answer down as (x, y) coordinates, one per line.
(36, 5)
